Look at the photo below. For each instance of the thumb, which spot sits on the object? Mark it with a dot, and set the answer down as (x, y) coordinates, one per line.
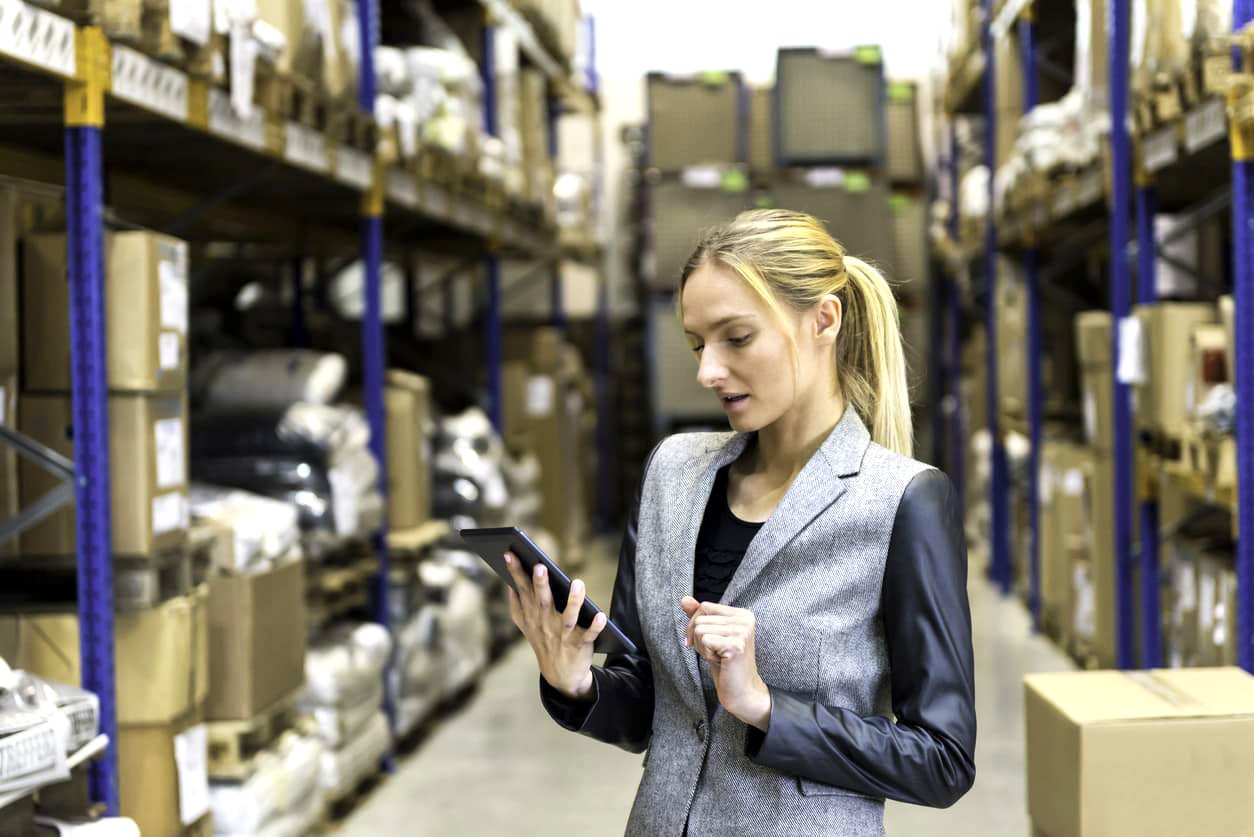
(689, 604)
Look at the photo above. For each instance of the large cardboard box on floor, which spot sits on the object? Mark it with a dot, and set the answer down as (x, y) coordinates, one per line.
(148, 463)
(145, 313)
(256, 641)
(161, 655)
(1097, 377)
(407, 402)
(1157, 753)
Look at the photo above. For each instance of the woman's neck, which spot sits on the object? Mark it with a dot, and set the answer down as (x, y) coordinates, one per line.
(786, 445)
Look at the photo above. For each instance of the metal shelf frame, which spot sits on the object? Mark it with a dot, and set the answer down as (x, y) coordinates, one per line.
(1243, 286)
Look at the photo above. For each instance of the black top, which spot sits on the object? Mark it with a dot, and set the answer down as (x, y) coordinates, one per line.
(721, 544)
(925, 757)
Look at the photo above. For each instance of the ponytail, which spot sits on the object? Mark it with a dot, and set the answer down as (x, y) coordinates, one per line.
(870, 359)
(788, 258)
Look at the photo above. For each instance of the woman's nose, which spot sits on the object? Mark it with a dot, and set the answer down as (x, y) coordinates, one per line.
(711, 372)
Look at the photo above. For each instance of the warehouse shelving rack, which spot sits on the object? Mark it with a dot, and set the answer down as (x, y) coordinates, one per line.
(170, 142)
(1167, 169)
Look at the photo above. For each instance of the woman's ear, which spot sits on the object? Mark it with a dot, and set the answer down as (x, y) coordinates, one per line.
(829, 316)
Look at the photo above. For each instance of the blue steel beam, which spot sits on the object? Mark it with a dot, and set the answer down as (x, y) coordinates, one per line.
(1151, 596)
(1120, 307)
(494, 326)
(1000, 570)
(1243, 286)
(90, 405)
(1031, 264)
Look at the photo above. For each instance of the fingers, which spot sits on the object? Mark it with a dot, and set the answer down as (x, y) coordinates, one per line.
(598, 625)
(570, 616)
(544, 593)
(712, 621)
(689, 604)
(522, 584)
(515, 609)
(716, 647)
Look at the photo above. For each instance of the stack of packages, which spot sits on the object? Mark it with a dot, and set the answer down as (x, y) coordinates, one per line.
(268, 425)
(257, 654)
(546, 391)
(429, 97)
(556, 23)
(162, 642)
(1171, 41)
(344, 695)
(1056, 136)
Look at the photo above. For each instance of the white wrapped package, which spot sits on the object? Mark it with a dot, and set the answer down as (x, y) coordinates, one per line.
(265, 530)
(274, 378)
(338, 724)
(345, 664)
(419, 676)
(342, 770)
(284, 777)
(467, 634)
(107, 827)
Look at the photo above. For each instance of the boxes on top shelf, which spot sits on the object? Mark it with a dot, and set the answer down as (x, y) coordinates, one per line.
(146, 313)
(148, 472)
(715, 101)
(1098, 741)
(829, 108)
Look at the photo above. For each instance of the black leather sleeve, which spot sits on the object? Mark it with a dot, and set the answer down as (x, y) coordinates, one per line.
(928, 756)
(620, 711)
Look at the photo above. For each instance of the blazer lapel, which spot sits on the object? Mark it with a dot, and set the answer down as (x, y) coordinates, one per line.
(683, 517)
(819, 484)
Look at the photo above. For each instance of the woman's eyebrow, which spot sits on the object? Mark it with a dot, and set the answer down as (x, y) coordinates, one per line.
(724, 321)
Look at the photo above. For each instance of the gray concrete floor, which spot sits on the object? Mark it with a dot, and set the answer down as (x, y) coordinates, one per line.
(499, 765)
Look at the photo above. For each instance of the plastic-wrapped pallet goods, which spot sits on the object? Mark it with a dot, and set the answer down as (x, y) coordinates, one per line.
(344, 769)
(265, 531)
(418, 676)
(270, 378)
(466, 630)
(41, 723)
(283, 780)
(470, 488)
(345, 664)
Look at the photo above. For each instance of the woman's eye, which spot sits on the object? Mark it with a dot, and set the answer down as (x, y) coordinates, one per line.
(697, 349)
(739, 341)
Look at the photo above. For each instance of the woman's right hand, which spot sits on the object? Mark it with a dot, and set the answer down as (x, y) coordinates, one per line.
(562, 648)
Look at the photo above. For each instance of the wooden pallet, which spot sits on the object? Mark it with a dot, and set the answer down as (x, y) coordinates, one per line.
(416, 543)
(336, 591)
(234, 745)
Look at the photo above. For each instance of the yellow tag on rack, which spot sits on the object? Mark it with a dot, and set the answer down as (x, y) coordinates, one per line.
(857, 182)
(868, 54)
(84, 95)
(713, 77)
(734, 180)
(900, 92)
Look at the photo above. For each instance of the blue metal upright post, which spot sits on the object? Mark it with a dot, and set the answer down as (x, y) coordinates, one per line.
(1120, 307)
(374, 350)
(1000, 569)
(299, 337)
(84, 110)
(1151, 596)
(953, 316)
(494, 326)
(1243, 284)
(1031, 264)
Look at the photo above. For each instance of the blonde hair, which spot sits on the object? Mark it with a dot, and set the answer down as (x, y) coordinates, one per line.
(788, 258)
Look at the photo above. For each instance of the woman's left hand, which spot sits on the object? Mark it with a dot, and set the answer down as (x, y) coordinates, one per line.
(724, 637)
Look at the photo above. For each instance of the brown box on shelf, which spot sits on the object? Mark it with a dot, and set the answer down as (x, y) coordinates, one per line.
(407, 402)
(161, 655)
(145, 313)
(1171, 325)
(1012, 366)
(675, 104)
(1100, 502)
(1093, 345)
(256, 641)
(163, 775)
(1207, 366)
(148, 462)
(1228, 316)
(1098, 741)
(1063, 520)
(515, 377)
(304, 53)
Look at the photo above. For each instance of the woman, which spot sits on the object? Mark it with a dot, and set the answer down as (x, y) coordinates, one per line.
(790, 585)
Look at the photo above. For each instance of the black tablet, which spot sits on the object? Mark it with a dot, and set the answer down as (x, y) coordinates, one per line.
(492, 544)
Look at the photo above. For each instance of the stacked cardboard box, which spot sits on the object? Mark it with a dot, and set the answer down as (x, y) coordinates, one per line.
(162, 675)
(536, 163)
(1062, 532)
(146, 372)
(1162, 401)
(1133, 753)
(1012, 329)
(1228, 316)
(407, 402)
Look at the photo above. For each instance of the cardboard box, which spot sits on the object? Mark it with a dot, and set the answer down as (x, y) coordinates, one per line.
(161, 655)
(148, 461)
(1171, 325)
(1093, 345)
(304, 53)
(1207, 366)
(163, 775)
(515, 375)
(1063, 520)
(1228, 317)
(1012, 368)
(407, 403)
(1100, 502)
(256, 641)
(145, 313)
(1164, 752)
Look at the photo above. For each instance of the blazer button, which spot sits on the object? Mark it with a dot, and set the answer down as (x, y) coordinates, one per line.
(699, 728)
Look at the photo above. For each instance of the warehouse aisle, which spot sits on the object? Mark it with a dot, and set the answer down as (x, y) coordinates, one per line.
(483, 770)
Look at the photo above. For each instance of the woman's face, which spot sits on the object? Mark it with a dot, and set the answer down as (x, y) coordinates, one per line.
(743, 351)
